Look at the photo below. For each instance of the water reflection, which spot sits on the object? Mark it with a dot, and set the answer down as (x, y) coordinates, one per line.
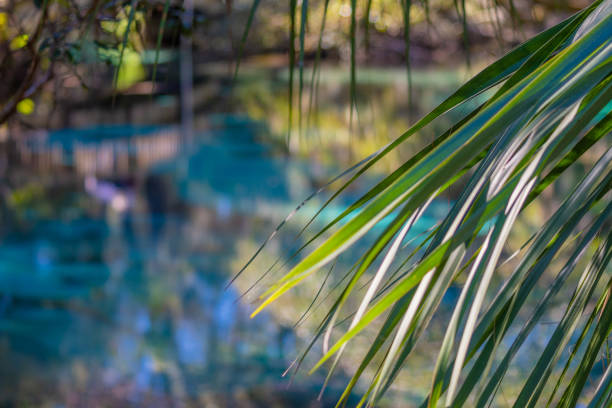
(118, 289)
(104, 150)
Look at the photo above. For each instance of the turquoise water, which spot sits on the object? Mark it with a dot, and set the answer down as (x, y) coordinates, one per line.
(117, 246)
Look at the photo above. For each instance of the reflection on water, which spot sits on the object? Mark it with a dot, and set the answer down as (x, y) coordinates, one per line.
(113, 262)
(99, 150)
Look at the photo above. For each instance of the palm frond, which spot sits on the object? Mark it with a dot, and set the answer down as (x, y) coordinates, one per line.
(551, 106)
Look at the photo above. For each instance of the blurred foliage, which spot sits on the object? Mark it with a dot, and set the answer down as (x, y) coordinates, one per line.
(49, 46)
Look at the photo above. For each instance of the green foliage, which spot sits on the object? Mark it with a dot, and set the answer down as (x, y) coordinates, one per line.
(549, 105)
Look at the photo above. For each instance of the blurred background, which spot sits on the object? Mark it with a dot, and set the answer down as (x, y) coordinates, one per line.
(139, 171)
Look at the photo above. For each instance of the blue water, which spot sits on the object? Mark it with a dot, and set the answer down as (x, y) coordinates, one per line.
(113, 274)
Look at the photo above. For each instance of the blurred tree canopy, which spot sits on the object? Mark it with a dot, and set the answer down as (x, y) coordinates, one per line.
(105, 47)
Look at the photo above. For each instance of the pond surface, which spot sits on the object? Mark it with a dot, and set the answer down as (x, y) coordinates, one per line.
(117, 246)
(113, 278)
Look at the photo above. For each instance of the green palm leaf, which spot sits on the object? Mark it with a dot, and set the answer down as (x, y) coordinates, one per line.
(551, 107)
